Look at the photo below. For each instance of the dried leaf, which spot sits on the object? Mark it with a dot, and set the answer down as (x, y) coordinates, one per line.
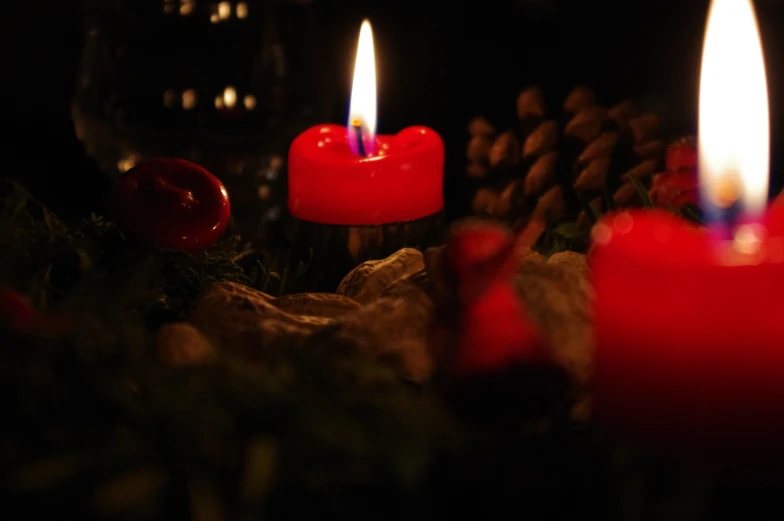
(541, 140)
(541, 174)
(594, 175)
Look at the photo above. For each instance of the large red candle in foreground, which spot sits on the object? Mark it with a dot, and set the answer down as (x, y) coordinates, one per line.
(349, 176)
(689, 327)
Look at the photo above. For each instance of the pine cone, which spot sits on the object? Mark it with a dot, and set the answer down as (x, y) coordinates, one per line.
(554, 164)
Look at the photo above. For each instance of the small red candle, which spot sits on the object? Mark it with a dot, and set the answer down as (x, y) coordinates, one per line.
(349, 176)
(688, 323)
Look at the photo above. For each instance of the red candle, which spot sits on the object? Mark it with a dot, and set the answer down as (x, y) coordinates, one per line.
(688, 327)
(349, 176)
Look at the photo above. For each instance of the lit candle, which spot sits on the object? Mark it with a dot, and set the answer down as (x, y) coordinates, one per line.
(688, 322)
(347, 175)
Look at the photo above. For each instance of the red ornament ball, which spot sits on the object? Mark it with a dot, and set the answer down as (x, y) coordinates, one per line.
(173, 203)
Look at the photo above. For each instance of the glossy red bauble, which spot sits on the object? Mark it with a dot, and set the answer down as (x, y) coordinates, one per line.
(173, 203)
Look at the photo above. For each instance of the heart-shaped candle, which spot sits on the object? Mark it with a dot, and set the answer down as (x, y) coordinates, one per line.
(330, 184)
(349, 176)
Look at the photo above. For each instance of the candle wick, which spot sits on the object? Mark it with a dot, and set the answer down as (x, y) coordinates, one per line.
(357, 126)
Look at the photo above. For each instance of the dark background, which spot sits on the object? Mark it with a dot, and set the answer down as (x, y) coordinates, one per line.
(439, 64)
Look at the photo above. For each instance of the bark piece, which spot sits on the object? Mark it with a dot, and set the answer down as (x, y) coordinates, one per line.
(327, 305)
(393, 327)
(368, 281)
(243, 320)
(558, 298)
(181, 344)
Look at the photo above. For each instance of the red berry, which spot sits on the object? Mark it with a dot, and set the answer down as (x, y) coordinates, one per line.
(16, 313)
(471, 244)
(495, 332)
(675, 188)
(173, 203)
(682, 154)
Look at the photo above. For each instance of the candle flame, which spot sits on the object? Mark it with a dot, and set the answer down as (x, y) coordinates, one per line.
(734, 129)
(362, 109)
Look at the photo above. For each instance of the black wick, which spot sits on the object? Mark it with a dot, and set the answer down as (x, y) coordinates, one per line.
(356, 125)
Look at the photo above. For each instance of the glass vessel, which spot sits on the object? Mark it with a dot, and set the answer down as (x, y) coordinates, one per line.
(224, 84)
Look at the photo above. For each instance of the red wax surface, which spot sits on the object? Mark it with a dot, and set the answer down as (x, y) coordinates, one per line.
(328, 184)
(689, 349)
